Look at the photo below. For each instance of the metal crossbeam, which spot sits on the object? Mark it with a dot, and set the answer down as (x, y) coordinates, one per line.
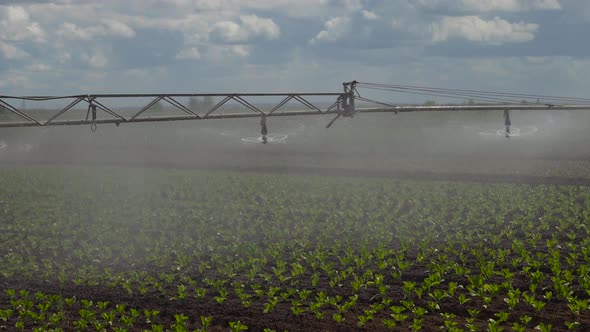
(96, 102)
(343, 106)
(401, 109)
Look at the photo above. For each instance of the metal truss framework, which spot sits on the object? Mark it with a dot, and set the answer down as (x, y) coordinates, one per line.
(95, 104)
(343, 106)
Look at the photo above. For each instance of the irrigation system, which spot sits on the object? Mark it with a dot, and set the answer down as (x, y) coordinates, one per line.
(344, 105)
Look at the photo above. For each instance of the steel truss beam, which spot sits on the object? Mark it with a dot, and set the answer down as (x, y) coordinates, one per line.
(94, 103)
(341, 107)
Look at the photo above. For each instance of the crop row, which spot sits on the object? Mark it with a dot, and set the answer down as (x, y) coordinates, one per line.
(343, 253)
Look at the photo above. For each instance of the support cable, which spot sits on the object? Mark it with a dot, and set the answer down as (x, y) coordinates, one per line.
(377, 102)
(572, 99)
(475, 92)
(451, 96)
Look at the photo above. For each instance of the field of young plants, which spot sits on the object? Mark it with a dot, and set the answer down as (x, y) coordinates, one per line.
(131, 249)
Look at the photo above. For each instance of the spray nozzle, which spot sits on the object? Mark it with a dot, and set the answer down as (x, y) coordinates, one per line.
(263, 129)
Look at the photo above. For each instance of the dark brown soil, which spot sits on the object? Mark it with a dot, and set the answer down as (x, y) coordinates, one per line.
(282, 319)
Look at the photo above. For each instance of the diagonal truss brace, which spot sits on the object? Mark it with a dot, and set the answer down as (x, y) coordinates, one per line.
(65, 109)
(16, 111)
(343, 106)
(146, 107)
(300, 99)
(94, 103)
(105, 109)
(170, 100)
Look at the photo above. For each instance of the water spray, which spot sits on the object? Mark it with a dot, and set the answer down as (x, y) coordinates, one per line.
(263, 129)
(507, 122)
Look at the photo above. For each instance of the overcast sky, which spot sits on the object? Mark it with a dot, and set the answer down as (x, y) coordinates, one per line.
(95, 46)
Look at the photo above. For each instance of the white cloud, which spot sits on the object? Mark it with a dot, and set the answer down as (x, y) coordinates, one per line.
(224, 34)
(16, 25)
(108, 28)
(97, 60)
(334, 29)
(481, 6)
(251, 26)
(39, 67)
(191, 53)
(369, 15)
(240, 50)
(473, 28)
(11, 52)
(78, 11)
(229, 31)
(353, 5)
(72, 31)
(118, 29)
(258, 26)
(176, 23)
(299, 8)
(511, 5)
(220, 53)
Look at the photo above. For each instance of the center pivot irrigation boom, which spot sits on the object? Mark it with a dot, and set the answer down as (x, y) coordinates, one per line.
(344, 105)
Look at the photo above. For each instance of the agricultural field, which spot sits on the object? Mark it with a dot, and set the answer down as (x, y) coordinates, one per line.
(130, 249)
